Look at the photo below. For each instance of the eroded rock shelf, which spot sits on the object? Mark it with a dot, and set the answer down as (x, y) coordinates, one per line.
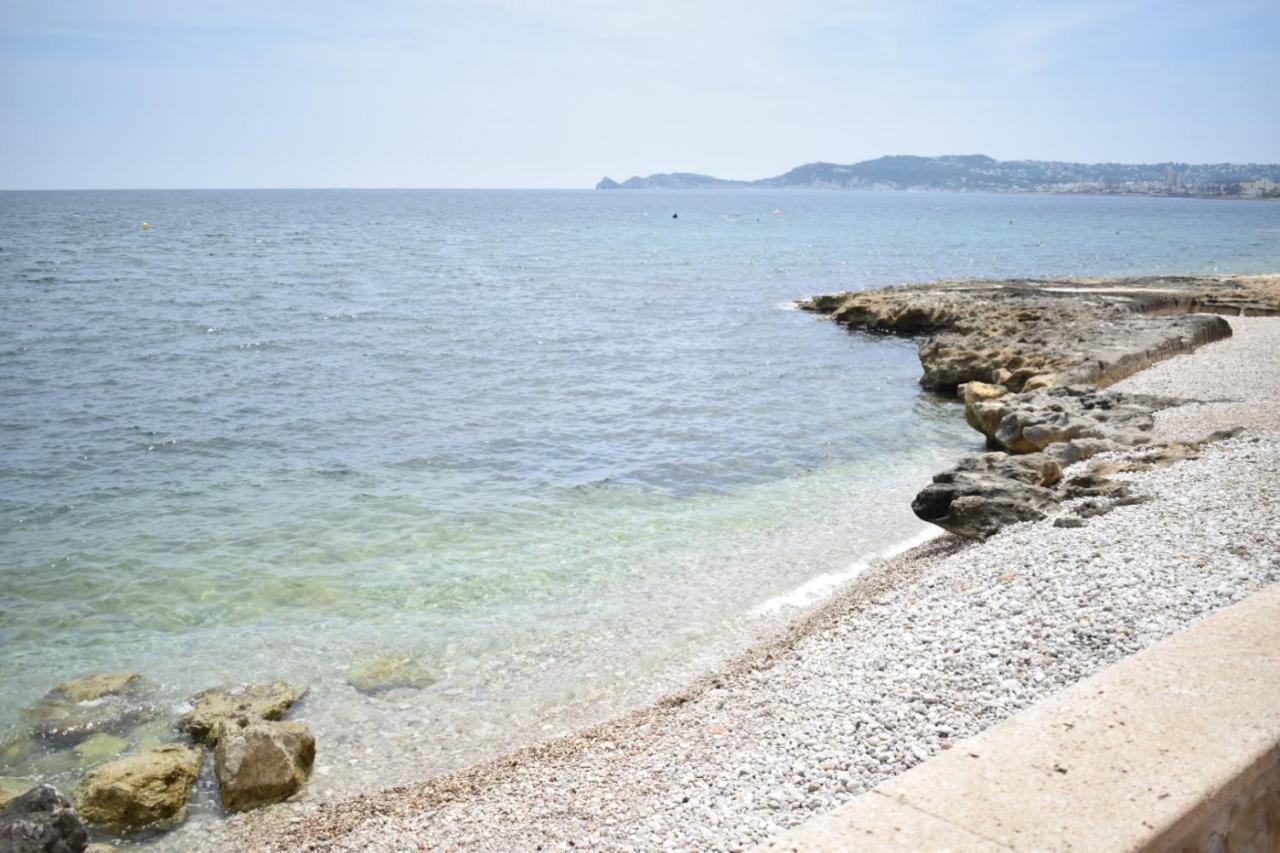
(1031, 359)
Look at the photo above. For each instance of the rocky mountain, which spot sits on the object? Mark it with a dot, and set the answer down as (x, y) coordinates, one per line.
(981, 173)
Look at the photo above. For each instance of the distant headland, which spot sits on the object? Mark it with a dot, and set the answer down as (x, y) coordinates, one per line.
(977, 172)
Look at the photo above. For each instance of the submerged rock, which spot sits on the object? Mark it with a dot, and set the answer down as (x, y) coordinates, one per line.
(41, 821)
(78, 709)
(91, 687)
(145, 789)
(389, 672)
(99, 748)
(259, 763)
(11, 787)
(251, 701)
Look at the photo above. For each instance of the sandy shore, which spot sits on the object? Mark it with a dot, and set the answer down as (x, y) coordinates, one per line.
(916, 653)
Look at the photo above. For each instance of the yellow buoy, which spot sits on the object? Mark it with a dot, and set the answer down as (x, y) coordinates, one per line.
(146, 226)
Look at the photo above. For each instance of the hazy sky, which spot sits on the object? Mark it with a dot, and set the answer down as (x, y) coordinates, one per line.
(134, 93)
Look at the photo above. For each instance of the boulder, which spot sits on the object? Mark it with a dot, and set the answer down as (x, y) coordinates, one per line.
(41, 821)
(252, 701)
(389, 672)
(145, 789)
(1041, 380)
(259, 763)
(984, 419)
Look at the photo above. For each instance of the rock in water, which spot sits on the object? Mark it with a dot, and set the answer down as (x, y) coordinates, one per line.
(389, 672)
(11, 788)
(140, 790)
(252, 701)
(102, 684)
(83, 707)
(99, 748)
(259, 763)
(41, 821)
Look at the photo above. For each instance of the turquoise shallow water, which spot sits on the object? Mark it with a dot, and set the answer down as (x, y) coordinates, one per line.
(556, 445)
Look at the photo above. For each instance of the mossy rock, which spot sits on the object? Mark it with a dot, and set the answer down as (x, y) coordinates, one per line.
(146, 789)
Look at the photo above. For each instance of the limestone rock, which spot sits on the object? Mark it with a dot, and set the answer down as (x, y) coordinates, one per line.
(986, 492)
(258, 763)
(41, 821)
(389, 672)
(102, 684)
(1048, 332)
(1079, 449)
(145, 789)
(253, 701)
(1031, 421)
(984, 419)
(1042, 380)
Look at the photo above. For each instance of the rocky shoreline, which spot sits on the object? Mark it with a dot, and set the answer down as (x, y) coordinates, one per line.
(1030, 359)
(916, 653)
(140, 767)
(1163, 509)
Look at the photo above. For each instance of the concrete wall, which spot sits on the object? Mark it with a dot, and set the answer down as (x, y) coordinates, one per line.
(1176, 748)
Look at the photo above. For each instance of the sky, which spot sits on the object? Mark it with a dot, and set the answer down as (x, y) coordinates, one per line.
(525, 93)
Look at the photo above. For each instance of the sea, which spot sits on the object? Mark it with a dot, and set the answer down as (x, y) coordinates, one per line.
(564, 450)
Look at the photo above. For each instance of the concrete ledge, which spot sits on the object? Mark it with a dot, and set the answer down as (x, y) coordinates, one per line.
(1175, 748)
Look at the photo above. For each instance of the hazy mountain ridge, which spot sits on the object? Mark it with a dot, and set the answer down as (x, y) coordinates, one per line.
(977, 172)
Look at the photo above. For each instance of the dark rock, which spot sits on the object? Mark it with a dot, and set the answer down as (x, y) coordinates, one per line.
(41, 821)
(986, 492)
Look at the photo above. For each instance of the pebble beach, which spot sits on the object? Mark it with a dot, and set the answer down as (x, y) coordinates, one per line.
(914, 655)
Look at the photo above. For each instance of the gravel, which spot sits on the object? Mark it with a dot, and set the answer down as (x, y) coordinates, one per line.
(913, 656)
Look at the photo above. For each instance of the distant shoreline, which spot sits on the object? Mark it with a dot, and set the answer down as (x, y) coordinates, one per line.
(977, 172)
